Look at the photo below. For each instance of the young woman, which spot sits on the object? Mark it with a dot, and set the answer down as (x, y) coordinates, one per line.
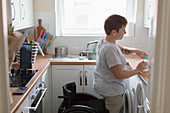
(110, 64)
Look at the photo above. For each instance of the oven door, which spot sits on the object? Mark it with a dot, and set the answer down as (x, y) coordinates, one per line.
(36, 106)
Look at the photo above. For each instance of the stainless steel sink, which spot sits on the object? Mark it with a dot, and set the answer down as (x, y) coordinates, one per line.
(70, 59)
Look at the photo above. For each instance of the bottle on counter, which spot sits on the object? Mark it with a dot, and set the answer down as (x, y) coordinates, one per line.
(81, 56)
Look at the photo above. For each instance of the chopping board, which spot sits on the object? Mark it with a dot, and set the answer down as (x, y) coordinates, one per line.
(38, 29)
(30, 37)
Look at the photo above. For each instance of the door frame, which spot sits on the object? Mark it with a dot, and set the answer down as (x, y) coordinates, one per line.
(5, 98)
(160, 33)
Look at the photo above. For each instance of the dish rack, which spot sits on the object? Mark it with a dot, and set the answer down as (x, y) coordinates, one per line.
(27, 55)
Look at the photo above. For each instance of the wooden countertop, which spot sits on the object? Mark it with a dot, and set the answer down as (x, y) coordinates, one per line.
(133, 61)
(42, 63)
(80, 62)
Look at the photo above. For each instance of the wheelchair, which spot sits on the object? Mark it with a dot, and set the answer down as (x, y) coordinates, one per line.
(80, 102)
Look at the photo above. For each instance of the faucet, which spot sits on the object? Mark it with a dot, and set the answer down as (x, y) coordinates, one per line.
(92, 42)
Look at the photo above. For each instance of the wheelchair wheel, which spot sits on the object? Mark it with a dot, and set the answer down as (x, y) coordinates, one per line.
(79, 110)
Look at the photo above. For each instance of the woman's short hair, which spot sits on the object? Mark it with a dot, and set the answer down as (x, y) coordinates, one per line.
(114, 22)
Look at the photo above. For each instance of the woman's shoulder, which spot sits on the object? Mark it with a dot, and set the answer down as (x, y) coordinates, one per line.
(111, 45)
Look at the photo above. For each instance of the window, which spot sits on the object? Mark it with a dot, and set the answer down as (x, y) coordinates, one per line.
(86, 17)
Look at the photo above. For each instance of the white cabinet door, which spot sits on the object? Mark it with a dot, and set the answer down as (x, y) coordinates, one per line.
(82, 75)
(27, 13)
(22, 14)
(88, 80)
(15, 13)
(62, 74)
(147, 15)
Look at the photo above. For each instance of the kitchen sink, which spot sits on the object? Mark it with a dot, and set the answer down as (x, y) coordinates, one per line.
(70, 59)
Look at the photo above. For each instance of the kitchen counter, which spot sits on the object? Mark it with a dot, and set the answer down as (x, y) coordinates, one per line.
(132, 60)
(73, 62)
(42, 63)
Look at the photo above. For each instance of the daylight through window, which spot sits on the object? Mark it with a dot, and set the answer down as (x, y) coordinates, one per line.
(86, 17)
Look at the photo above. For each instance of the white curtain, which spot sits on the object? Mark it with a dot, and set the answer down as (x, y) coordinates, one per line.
(131, 6)
(160, 76)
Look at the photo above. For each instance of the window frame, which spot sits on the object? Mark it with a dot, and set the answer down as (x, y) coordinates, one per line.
(130, 26)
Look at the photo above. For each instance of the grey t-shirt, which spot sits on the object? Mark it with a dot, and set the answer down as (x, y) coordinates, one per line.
(108, 55)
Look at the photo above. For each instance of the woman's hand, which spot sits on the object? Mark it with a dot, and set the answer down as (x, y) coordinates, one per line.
(141, 66)
(141, 53)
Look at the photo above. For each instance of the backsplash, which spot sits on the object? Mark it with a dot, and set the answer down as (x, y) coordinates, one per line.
(48, 21)
(77, 44)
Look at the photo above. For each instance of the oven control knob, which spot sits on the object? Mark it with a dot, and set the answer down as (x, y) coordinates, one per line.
(33, 97)
(40, 85)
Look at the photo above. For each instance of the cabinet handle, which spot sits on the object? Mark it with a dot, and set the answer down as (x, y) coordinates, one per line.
(80, 78)
(86, 78)
(24, 12)
(12, 4)
(148, 13)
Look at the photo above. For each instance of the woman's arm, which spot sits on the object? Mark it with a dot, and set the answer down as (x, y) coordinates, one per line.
(122, 74)
(138, 52)
(126, 51)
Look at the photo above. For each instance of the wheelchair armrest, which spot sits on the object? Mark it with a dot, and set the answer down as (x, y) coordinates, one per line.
(85, 96)
(80, 108)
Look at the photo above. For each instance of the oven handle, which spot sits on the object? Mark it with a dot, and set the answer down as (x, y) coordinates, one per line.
(35, 108)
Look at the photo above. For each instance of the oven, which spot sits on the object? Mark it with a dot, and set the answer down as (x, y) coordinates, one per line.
(36, 97)
(20, 78)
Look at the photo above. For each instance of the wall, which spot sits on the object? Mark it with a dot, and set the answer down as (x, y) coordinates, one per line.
(141, 33)
(45, 10)
(44, 5)
(78, 44)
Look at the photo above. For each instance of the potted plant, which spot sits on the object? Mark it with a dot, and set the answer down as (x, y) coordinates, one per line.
(15, 40)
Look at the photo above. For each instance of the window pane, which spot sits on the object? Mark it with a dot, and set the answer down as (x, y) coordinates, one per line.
(88, 16)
